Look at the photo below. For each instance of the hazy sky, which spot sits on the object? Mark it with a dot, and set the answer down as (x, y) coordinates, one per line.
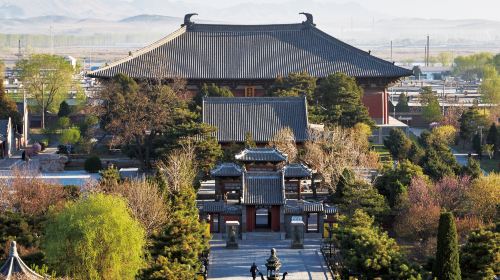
(445, 9)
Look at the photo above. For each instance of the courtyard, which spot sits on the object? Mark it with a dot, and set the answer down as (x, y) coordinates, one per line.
(234, 264)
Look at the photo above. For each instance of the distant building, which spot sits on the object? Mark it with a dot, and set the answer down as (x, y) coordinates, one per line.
(248, 59)
(24, 127)
(7, 140)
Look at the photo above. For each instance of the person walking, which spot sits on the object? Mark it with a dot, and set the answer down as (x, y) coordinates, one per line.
(254, 269)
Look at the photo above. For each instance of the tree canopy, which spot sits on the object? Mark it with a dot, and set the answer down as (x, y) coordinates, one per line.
(340, 100)
(447, 266)
(8, 107)
(370, 252)
(480, 256)
(47, 75)
(295, 84)
(94, 238)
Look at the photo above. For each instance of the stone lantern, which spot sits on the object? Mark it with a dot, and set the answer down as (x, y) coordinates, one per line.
(273, 266)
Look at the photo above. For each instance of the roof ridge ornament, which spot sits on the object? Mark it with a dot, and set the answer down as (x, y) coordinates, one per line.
(187, 19)
(309, 18)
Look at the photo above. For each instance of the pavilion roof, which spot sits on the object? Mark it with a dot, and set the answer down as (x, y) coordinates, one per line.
(297, 170)
(15, 266)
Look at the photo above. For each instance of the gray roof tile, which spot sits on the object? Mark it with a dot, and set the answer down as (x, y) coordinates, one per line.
(263, 188)
(226, 169)
(260, 154)
(263, 117)
(215, 51)
(297, 170)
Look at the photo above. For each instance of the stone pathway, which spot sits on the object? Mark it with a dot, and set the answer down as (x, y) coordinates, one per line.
(234, 264)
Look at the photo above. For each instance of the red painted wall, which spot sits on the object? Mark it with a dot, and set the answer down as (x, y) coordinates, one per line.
(375, 99)
(250, 218)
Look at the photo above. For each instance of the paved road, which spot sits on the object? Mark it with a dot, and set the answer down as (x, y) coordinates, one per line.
(234, 264)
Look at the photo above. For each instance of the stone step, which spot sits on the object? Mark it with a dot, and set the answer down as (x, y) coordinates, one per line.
(263, 236)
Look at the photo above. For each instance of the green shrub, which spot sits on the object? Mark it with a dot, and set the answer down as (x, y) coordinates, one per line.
(70, 136)
(63, 122)
(93, 164)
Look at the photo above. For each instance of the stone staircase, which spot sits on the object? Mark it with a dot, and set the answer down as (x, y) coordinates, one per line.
(263, 236)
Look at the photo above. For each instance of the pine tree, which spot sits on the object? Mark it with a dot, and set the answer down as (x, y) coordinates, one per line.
(447, 266)
(473, 168)
(403, 103)
(341, 100)
(64, 109)
(493, 138)
(480, 257)
(175, 252)
(398, 144)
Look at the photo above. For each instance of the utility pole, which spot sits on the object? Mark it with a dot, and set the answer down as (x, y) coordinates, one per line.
(391, 51)
(43, 106)
(428, 51)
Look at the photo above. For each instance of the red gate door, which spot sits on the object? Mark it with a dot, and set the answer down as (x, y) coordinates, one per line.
(275, 218)
(250, 218)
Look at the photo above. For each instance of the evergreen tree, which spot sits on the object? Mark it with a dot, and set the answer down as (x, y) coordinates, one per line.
(369, 251)
(211, 90)
(64, 109)
(469, 123)
(447, 266)
(295, 84)
(176, 250)
(480, 256)
(493, 137)
(351, 194)
(473, 168)
(394, 182)
(477, 145)
(341, 100)
(398, 144)
(403, 103)
(431, 110)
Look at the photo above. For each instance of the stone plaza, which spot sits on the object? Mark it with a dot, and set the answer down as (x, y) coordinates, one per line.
(234, 264)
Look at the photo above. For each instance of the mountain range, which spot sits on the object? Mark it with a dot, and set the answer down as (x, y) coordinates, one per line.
(153, 19)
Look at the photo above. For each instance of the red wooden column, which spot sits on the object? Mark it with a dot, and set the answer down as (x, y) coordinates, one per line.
(298, 189)
(250, 218)
(275, 218)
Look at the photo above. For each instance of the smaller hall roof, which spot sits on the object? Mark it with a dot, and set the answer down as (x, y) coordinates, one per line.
(263, 188)
(297, 170)
(261, 155)
(226, 169)
(262, 117)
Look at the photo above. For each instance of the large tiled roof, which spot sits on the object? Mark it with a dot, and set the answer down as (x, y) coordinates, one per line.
(297, 170)
(263, 188)
(216, 51)
(226, 169)
(260, 154)
(262, 117)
